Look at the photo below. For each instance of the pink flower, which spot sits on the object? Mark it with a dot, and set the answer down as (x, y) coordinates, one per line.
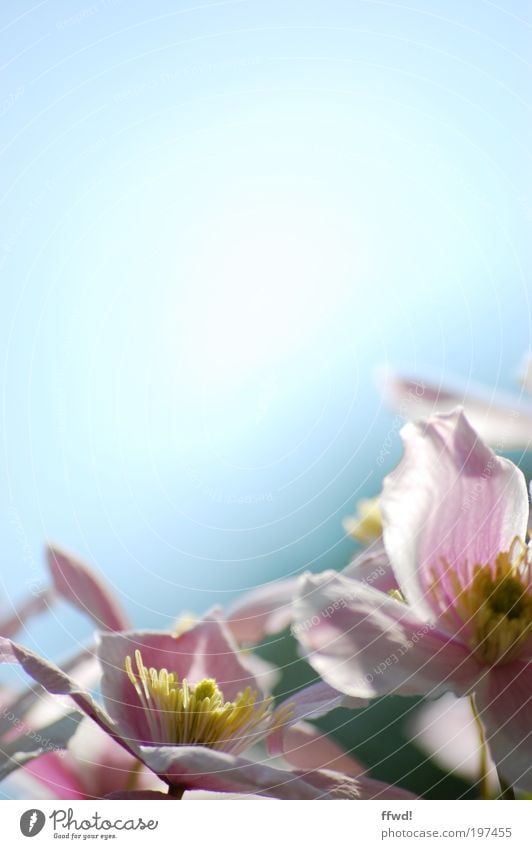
(92, 767)
(34, 723)
(188, 708)
(455, 518)
(76, 583)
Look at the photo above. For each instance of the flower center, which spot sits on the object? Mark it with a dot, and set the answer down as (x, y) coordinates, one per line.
(496, 603)
(197, 714)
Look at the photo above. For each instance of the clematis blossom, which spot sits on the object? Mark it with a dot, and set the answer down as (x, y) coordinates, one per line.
(455, 519)
(187, 708)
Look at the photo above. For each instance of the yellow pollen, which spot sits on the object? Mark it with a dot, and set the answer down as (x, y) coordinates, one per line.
(366, 525)
(496, 603)
(197, 714)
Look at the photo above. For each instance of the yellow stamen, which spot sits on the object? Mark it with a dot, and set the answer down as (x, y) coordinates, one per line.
(181, 713)
(495, 602)
(366, 525)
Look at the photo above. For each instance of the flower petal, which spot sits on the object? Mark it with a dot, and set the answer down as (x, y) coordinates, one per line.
(13, 622)
(309, 703)
(504, 703)
(196, 767)
(263, 611)
(57, 682)
(503, 421)
(451, 502)
(365, 643)
(204, 651)
(370, 788)
(78, 584)
(445, 728)
(373, 567)
(305, 747)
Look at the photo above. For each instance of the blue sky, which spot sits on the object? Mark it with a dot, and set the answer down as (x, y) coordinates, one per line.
(217, 220)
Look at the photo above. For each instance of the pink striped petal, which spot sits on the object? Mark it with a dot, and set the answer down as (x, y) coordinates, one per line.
(451, 502)
(78, 584)
(365, 643)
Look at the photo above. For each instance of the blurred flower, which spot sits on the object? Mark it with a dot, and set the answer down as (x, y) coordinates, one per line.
(93, 766)
(366, 525)
(503, 420)
(33, 723)
(447, 729)
(76, 583)
(455, 518)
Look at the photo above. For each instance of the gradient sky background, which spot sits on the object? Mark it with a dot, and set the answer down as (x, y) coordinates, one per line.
(217, 220)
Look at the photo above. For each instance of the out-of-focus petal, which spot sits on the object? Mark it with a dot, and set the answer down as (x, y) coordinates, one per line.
(54, 777)
(504, 703)
(32, 744)
(154, 795)
(370, 788)
(311, 702)
(365, 643)
(11, 623)
(305, 747)
(197, 767)
(263, 611)
(372, 566)
(451, 502)
(503, 421)
(366, 525)
(78, 584)
(446, 730)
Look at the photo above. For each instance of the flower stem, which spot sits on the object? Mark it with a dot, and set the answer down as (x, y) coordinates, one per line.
(175, 791)
(484, 784)
(507, 791)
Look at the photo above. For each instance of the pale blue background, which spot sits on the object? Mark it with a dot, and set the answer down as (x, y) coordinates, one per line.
(217, 220)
